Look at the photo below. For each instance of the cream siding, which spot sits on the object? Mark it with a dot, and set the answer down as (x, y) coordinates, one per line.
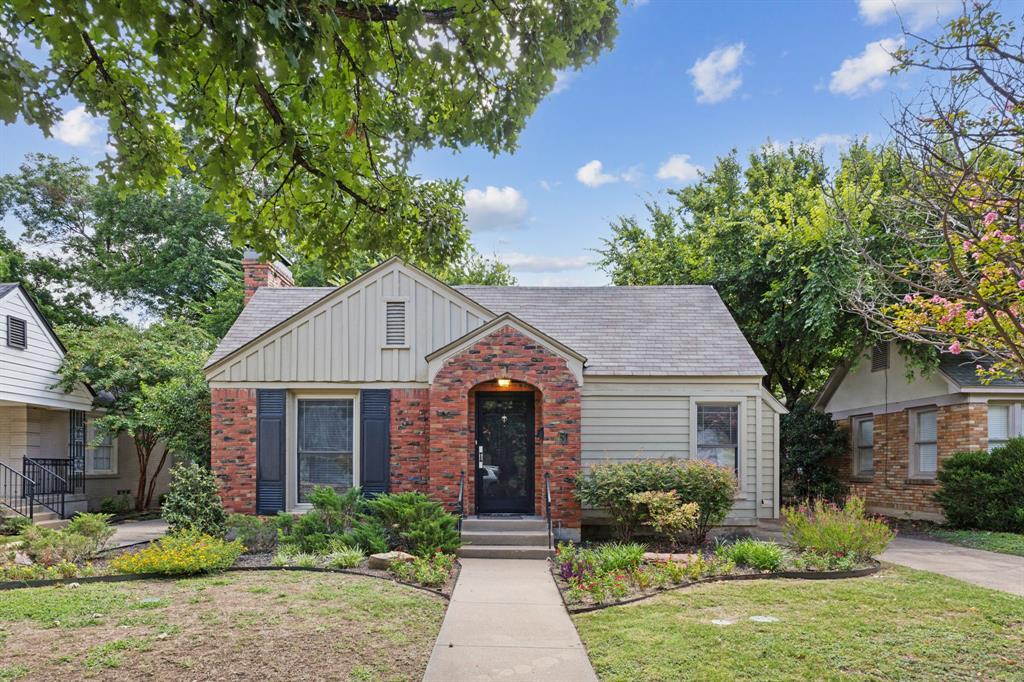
(863, 390)
(341, 338)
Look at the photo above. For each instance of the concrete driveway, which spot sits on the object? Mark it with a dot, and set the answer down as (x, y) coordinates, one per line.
(133, 532)
(987, 569)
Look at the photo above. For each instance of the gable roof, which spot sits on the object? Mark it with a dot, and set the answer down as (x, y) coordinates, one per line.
(639, 330)
(960, 369)
(8, 287)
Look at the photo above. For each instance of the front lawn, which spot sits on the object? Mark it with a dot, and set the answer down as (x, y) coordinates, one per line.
(273, 625)
(898, 624)
(1004, 543)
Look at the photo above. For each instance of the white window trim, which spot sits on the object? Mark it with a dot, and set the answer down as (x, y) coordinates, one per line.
(1015, 425)
(741, 429)
(384, 322)
(90, 470)
(857, 447)
(291, 500)
(912, 468)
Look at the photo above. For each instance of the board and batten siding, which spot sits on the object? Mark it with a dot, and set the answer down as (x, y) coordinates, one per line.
(341, 338)
(627, 419)
(28, 375)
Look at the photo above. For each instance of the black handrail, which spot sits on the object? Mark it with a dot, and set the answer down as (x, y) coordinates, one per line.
(66, 469)
(17, 492)
(49, 487)
(547, 508)
(460, 504)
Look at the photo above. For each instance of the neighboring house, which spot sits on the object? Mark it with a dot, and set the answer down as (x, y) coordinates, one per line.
(46, 435)
(902, 429)
(398, 382)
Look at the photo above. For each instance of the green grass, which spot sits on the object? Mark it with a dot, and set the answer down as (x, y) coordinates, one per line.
(1004, 543)
(899, 624)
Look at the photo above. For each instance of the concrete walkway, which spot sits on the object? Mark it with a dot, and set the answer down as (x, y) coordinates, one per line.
(133, 532)
(987, 569)
(506, 621)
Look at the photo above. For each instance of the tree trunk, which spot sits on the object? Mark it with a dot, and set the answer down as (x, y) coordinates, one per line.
(152, 481)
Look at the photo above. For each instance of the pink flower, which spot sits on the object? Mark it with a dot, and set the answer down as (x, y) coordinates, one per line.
(954, 348)
(908, 299)
(967, 245)
(1007, 238)
(1020, 284)
(990, 218)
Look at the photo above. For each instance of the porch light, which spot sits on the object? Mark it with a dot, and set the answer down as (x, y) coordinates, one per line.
(504, 382)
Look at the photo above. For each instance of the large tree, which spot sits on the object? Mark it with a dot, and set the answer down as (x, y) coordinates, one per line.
(301, 116)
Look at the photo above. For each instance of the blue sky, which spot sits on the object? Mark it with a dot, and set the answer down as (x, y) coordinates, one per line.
(686, 82)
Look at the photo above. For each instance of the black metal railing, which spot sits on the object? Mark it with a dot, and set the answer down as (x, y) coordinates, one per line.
(547, 508)
(460, 505)
(49, 488)
(17, 492)
(66, 469)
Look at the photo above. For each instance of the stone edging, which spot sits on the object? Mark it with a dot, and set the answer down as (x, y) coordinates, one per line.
(787, 575)
(120, 578)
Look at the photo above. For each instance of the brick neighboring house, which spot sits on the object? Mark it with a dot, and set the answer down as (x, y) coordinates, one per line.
(901, 430)
(396, 381)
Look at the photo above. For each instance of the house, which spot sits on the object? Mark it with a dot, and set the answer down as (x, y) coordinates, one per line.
(47, 441)
(482, 397)
(901, 429)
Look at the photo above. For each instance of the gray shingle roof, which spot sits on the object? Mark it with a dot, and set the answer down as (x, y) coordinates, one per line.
(664, 330)
(647, 331)
(7, 287)
(961, 369)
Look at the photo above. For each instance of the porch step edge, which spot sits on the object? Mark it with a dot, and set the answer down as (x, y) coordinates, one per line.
(519, 538)
(473, 524)
(503, 552)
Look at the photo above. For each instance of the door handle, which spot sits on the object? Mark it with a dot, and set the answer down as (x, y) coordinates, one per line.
(480, 456)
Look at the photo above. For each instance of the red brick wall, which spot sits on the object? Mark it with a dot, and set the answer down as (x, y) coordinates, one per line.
(258, 274)
(890, 488)
(410, 438)
(233, 446)
(507, 352)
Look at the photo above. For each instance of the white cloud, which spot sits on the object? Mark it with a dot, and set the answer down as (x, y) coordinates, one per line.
(715, 77)
(917, 13)
(77, 128)
(493, 208)
(592, 174)
(867, 71)
(563, 79)
(678, 167)
(837, 140)
(632, 174)
(523, 262)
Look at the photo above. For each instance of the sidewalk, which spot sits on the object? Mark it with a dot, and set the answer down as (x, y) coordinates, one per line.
(133, 532)
(978, 567)
(506, 621)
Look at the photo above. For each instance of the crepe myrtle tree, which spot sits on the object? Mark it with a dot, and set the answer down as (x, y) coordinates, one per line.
(149, 384)
(953, 279)
(299, 116)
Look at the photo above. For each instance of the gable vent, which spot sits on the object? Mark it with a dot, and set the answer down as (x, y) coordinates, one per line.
(394, 332)
(880, 356)
(17, 332)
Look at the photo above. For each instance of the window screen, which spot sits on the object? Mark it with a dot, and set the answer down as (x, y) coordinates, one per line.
(718, 434)
(927, 443)
(324, 446)
(99, 450)
(998, 425)
(864, 441)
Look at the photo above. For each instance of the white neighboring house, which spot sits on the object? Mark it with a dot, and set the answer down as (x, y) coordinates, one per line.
(46, 435)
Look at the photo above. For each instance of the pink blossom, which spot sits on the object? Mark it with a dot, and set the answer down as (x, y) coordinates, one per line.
(1020, 284)
(967, 245)
(954, 348)
(908, 299)
(990, 218)
(1007, 238)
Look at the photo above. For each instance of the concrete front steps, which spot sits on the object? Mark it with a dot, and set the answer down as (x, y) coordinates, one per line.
(513, 537)
(41, 516)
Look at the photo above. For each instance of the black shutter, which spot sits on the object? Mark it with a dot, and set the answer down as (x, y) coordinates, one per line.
(374, 448)
(270, 447)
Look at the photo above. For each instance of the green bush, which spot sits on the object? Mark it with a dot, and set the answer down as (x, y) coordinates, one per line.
(13, 525)
(368, 534)
(809, 442)
(333, 515)
(416, 523)
(665, 515)
(825, 528)
(96, 527)
(257, 534)
(117, 505)
(984, 490)
(609, 487)
(617, 556)
(193, 501)
(184, 553)
(431, 570)
(756, 554)
(49, 547)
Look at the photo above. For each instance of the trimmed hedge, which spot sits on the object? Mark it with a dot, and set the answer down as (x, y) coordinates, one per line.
(984, 490)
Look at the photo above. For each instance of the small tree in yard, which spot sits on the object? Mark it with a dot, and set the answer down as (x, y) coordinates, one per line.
(809, 442)
(193, 501)
(149, 385)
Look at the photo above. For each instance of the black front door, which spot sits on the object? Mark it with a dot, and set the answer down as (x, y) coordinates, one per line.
(504, 442)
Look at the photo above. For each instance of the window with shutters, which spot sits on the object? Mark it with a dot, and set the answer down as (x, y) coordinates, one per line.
(924, 450)
(325, 452)
(880, 356)
(1005, 421)
(863, 445)
(395, 323)
(17, 332)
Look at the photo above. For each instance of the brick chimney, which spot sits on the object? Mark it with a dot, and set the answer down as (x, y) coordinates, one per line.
(259, 273)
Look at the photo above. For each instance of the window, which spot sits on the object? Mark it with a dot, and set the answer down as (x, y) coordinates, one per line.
(880, 356)
(863, 446)
(394, 323)
(924, 454)
(324, 446)
(718, 434)
(100, 451)
(17, 332)
(1005, 421)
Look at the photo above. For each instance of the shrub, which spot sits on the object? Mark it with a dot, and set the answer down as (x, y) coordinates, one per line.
(344, 557)
(96, 527)
(984, 490)
(49, 547)
(13, 525)
(617, 556)
(825, 528)
(609, 486)
(257, 535)
(116, 505)
(666, 515)
(416, 523)
(184, 553)
(431, 570)
(756, 554)
(368, 534)
(333, 515)
(809, 441)
(193, 502)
